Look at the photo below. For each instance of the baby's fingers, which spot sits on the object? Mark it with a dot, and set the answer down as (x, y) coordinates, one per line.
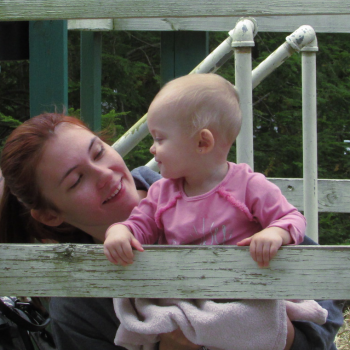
(266, 257)
(273, 251)
(111, 255)
(245, 241)
(125, 254)
(260, 253)
(136, 244)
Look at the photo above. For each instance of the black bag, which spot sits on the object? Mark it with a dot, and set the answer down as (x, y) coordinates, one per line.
(23, 326)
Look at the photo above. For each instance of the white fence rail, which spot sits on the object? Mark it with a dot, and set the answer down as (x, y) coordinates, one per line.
(300, 272)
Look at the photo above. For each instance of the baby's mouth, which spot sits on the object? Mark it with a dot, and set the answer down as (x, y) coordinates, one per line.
(114, 193)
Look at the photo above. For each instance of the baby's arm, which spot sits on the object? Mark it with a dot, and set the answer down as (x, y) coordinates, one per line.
(264, 244)
(119, 243)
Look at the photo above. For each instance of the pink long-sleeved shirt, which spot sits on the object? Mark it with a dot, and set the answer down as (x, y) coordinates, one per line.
(243, 203)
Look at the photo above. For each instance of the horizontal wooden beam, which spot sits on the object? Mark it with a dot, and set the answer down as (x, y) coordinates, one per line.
(286, 24)
(333, 195)
(301, 272)
(17, 10)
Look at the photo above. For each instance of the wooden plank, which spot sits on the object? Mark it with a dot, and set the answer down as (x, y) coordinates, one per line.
(91, 24)
(86, 9)
(285, 24)
(48, 69)
(301, 272)
(333, 195)
(90, 73)
(180, 52)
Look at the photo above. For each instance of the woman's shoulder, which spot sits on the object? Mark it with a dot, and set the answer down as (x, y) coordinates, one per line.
(144, 177)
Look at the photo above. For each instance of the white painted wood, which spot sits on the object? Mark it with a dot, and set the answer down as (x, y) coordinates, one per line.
(285, 24)
(91, 24)
(87, 9)
(333, 195)
(309, 112)
(302, 272)
(243, 41)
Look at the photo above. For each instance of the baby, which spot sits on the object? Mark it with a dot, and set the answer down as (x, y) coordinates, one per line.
(203, 198)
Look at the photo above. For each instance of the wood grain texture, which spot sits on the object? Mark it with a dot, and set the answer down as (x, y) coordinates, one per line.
(86, 9)
(303, 272)
(286, 24)
(333, 195)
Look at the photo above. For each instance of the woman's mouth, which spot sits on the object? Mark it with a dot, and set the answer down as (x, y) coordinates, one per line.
(114, 193)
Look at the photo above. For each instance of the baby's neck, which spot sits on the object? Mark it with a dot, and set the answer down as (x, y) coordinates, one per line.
(205, 180)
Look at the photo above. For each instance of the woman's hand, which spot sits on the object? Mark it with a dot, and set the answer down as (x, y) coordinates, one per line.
(176, 341)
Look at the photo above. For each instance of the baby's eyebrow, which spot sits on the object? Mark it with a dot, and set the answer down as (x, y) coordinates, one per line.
(75, 166)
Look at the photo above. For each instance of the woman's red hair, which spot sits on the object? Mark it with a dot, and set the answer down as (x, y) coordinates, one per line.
(19, 161)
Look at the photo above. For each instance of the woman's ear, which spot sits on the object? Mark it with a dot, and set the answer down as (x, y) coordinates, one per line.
(206, 141)
(47, 217)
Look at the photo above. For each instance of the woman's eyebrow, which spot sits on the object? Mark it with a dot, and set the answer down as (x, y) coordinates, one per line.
(92, 143)
(75, 166)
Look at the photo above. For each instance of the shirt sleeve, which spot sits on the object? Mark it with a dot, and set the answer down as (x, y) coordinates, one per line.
(144, 177)
(142, 221)
(269, 206)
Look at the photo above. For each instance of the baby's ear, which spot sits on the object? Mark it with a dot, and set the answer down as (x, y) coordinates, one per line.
(206, 141)
(47, 217)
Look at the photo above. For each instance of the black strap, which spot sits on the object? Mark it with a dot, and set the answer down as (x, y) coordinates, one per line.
(22, 319)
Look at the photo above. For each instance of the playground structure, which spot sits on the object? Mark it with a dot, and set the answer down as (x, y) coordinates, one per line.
(201, 272)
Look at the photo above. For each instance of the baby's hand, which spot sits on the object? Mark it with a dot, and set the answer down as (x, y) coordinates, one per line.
(118, 245)
(264, 244)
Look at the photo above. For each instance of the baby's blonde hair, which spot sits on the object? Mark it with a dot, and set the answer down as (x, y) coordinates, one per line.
(206, 101)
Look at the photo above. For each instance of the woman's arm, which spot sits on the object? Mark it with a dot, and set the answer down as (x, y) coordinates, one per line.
(176, 341)
(309, 335)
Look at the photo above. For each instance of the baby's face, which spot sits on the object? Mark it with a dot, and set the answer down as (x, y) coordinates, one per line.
(173, 146)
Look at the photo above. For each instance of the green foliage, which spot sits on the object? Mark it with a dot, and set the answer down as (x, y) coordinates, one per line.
(130, 80)
(278, 117)
(130, 73)
(14, 89)
(334, 228)
(7, 124)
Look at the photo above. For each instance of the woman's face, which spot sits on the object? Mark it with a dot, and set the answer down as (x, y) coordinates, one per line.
(87, 181)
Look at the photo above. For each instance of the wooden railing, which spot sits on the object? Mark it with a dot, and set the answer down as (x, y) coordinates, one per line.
(72, 270)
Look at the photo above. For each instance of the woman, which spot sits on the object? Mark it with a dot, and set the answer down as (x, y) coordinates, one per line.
(63, 183)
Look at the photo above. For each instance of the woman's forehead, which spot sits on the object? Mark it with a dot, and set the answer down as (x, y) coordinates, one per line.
(69, 140)
(64, 126)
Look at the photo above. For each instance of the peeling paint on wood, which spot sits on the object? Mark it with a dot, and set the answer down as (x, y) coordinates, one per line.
(21, 10)
(333, 195)
(303, 272)
(285, 23)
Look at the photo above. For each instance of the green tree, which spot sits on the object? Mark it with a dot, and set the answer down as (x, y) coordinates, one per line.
(130, 80)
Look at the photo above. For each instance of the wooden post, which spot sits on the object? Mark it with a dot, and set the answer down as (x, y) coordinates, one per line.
(48, 71)
(90, 89)
(180, 52)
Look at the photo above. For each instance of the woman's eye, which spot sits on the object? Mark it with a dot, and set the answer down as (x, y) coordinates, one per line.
(100, 153)
(76, 182)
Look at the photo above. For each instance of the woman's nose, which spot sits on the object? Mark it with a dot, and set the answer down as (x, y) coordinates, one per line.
(104, 176)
